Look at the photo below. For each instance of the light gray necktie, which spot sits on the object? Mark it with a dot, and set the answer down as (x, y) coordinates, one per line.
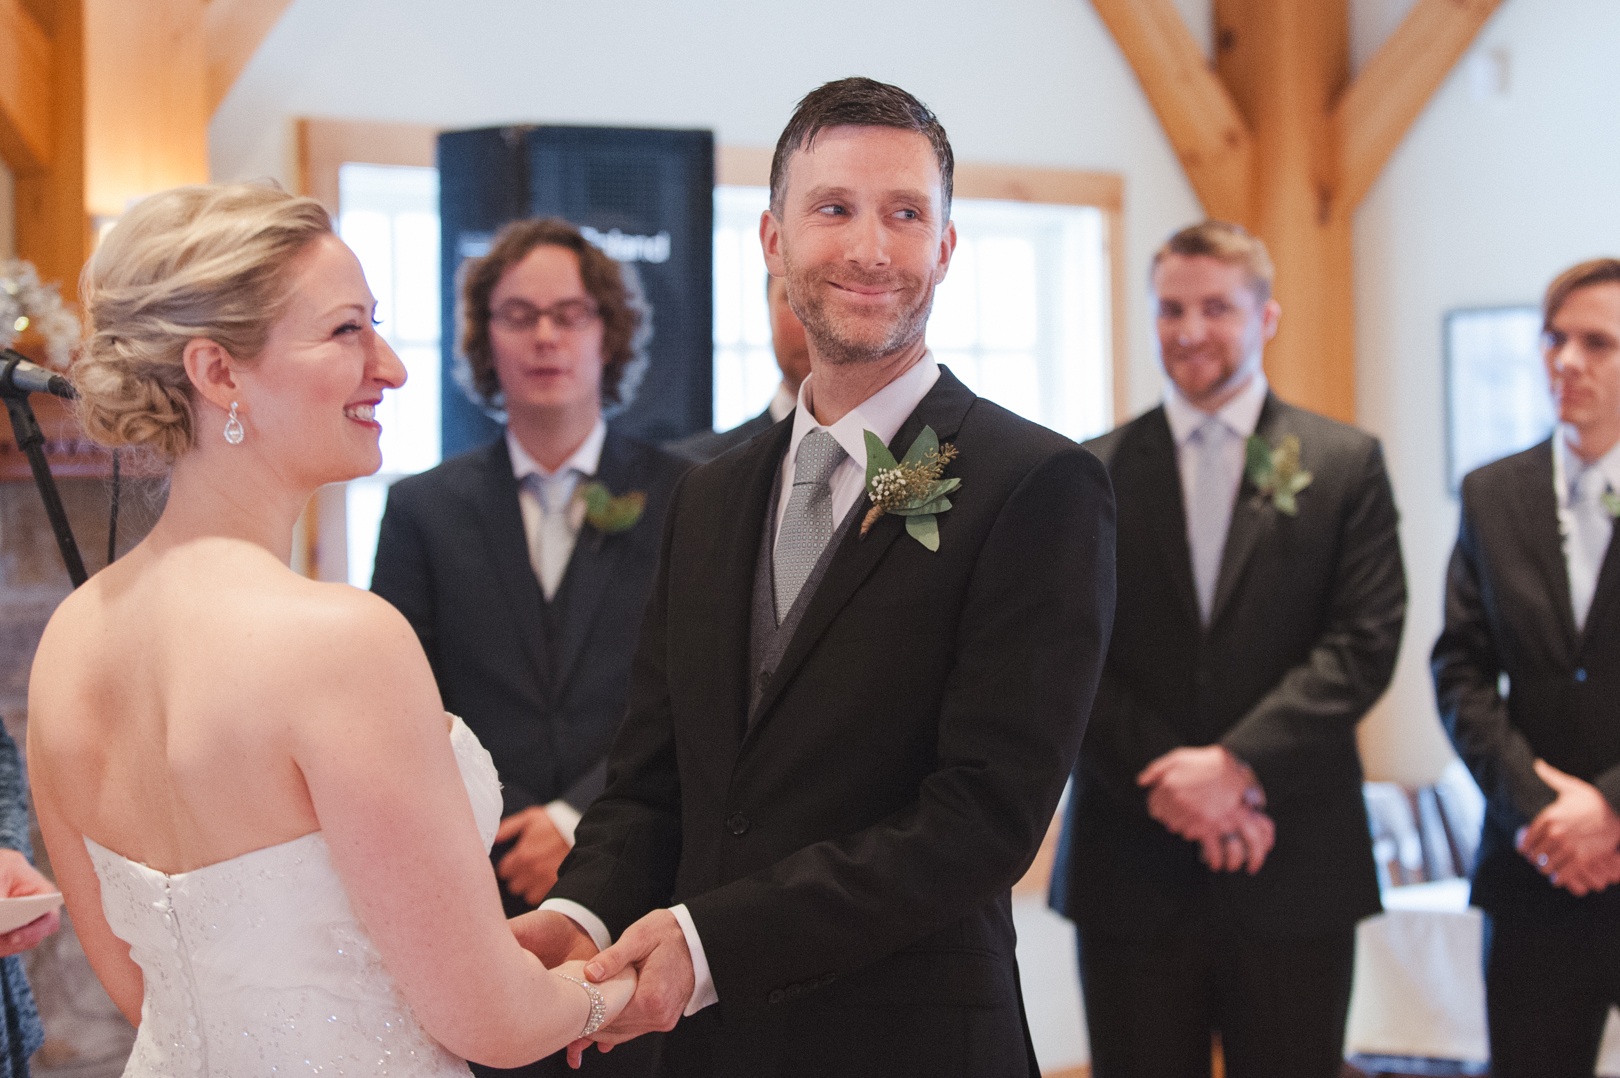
(1209, 507)
(555, 539)
(807, 524)
(1588, 542)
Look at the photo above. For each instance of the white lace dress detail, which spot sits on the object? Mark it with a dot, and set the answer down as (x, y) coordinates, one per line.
(257, 966)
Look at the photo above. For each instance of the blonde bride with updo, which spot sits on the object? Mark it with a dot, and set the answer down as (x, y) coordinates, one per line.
(272, 850)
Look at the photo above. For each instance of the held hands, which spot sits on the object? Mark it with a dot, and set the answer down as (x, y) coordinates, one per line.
(1207, 796)
(530, 866)
(617, 991)
(17, 878)
(1575, 841)
(655, 947)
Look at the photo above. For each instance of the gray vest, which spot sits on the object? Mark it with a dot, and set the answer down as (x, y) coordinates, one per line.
(768, 641)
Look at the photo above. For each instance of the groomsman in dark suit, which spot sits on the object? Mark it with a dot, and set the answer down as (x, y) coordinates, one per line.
(849, 730)
(1216, 854)
(524, 566)
(792, 358)
(1527, 672)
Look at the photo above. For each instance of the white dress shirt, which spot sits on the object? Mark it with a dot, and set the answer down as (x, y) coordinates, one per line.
(1583, 551)
(1239, 416)
(550, 561)
(883, 413)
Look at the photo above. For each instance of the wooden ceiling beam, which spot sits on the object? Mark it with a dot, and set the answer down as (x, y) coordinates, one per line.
(26, 142)
(1375, 111)
(234, 30)
(1199, 116)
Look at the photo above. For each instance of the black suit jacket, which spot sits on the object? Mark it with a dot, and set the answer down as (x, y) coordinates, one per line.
(452, 556)
(705, 445)
(1304, 632)
(850, 851)
(1508, 612)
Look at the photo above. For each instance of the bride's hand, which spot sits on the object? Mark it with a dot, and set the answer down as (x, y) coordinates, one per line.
(616, 991)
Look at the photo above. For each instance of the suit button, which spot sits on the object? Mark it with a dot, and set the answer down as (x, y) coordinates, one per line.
(1580, 673)
(775, 996)
(762, 679)
(738, 823)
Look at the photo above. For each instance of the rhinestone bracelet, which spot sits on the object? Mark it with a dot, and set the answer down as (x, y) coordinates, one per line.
(598, 1016)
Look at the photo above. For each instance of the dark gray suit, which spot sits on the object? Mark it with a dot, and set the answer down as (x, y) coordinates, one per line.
(1303, 635)
(705, 445)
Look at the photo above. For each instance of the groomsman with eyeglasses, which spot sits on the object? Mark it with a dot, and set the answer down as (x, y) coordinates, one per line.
(1527, 672)
(527, 596)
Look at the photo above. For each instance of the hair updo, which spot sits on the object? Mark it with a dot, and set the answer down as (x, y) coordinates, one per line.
(210, 261)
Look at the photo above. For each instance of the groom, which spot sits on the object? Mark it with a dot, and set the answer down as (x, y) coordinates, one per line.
(843, 746)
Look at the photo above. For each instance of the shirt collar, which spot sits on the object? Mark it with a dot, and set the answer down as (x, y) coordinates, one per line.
(782, 403)
(882, 413)
(1240, 415)
(585, 460)
(1567, 465)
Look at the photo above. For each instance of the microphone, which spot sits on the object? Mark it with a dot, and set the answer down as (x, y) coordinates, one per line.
(19, 378)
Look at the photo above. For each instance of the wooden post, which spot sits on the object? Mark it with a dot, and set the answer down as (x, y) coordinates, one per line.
(1285, 63)
(53, 230)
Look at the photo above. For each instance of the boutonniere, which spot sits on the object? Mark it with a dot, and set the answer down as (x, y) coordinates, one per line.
(608, 514)
(1611, 504)
(1275, 472)
(910, 488)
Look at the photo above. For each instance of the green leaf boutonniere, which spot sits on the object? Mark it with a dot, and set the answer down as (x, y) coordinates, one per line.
(910, 488)
(1275, 472)
(608, 514)
(1611, 504)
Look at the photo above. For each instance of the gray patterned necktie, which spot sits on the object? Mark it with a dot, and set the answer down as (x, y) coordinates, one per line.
(1588, 540)
(1209, 508)
(807, 524)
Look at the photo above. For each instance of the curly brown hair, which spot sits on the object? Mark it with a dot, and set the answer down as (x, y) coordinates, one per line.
(616, 288)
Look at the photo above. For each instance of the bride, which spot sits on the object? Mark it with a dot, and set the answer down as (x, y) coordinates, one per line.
(273, 851)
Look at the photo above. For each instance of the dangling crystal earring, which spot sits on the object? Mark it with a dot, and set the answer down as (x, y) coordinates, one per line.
(233, 428)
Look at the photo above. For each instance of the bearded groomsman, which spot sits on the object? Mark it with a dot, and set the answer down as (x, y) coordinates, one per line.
(1527, 672)
(848, 730)
(1216, 855)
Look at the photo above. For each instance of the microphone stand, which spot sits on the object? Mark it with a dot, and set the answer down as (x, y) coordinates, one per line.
(31, 440)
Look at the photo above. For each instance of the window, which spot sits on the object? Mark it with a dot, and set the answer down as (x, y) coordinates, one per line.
(1021, 318)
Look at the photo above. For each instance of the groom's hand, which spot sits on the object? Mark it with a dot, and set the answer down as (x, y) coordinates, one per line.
(552, 937)
(656, 947)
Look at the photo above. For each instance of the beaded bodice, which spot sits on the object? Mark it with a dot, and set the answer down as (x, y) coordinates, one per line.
(258, 966)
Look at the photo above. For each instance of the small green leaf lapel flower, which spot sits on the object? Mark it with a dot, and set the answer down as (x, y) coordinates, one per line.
(910, 488)
(608, 514)
(1275, 472)
(1611, 504)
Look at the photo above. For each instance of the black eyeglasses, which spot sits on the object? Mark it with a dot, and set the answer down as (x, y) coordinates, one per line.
(521, 317)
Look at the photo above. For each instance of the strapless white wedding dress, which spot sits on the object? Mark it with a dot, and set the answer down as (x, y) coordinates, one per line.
(257, 966)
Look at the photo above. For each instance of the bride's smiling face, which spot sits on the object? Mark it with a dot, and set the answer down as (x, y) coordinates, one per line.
(308, 401)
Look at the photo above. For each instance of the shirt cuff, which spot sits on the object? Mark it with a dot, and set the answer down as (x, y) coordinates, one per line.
(703, 992)
(565, 818)
(584, 918)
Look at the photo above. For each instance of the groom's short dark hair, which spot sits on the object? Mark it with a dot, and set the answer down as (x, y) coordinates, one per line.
(858, 102)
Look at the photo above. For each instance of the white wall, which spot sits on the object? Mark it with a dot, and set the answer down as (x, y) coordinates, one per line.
(1027, 82)
(1484, 202)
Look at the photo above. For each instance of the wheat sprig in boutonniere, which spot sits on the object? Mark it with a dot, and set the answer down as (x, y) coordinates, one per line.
(910, 488)
(608, 514)
(1275, 472)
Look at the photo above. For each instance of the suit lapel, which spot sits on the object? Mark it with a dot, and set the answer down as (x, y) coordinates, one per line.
(943, 408)
(1251, 519)
(496, 503)
(591, 565)
(734, 565)
(1153, 455)
(1536, 514)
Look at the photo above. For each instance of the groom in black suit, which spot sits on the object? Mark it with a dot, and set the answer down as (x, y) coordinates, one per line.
(1216, 855)
(1527, 671)
(526, 601)
(845, 743)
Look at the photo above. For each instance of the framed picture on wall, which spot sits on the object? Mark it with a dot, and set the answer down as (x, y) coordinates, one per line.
(1496, 388)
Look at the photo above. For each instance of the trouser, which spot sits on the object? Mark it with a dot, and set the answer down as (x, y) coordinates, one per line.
(1279, 1005)
(1548, 990)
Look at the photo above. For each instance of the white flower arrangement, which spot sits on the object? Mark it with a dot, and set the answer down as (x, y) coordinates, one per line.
(27, 303)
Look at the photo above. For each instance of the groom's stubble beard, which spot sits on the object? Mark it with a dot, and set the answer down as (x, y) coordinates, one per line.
(841, 341)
